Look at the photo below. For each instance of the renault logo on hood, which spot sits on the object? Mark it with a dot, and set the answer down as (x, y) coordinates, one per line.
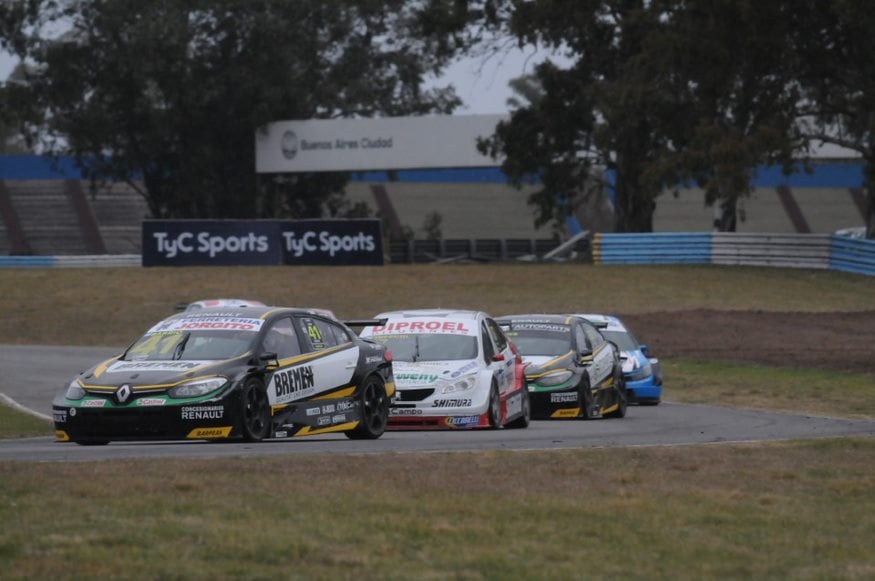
(123, 393)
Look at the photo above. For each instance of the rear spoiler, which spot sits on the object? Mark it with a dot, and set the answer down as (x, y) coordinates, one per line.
(365, 322)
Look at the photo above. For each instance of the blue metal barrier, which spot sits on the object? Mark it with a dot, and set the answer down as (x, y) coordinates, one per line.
(656, 248)
(852, 255)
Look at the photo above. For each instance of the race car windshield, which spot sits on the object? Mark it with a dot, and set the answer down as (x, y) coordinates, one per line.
(625, 341)
(429, 347)
(541, 343)
(190, 345)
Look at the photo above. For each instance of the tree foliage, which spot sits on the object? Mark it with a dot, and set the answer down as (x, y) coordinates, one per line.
(170, 93)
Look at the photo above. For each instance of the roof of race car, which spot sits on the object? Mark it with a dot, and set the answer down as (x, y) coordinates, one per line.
(613, 323)
(434, 313)
(537, 318)
(211, 303)
(253, 312)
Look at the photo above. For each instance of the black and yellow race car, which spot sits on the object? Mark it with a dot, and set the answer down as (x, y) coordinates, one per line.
(571, 370)
(233, 373)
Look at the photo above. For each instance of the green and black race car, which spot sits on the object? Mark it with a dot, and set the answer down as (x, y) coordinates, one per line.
(572, 371)
(233, 373)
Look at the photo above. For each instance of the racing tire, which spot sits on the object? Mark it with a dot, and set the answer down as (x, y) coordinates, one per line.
(254, 411)
(92, 442)
(622, 399)
(494, 411)
(374, 408)
(523, 420)
(585, 398)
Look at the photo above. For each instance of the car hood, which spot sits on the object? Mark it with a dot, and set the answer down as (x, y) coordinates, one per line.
(536, 364)
(410, 375)
(154, 374)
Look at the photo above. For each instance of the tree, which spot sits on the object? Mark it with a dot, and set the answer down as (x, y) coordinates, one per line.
(170, 93)
(660, 92)
(734, 64)
(835, 40)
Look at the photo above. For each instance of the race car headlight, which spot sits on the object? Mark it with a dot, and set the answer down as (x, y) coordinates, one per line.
(197, 387)
(554, 378)
(74, 390)
(458, 385)
(640, 373)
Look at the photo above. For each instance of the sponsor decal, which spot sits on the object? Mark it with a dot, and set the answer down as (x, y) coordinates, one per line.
(326, 242)
(416, 377)
(564, 397)
(451, 403)
(126, 366)
(328, 409)
(210, 412)
(94, 403)
(514, 404)
(150, 401)
(60, 416)
(313, 412)
(338, 418)
(405, 411)
(282, 434)
(323, 421)
(463, 421)
(534, 326)
(211, 323)
(465, 369)
(210, 432)
(207, 243)
(345, 406)
(375, 359)
(566, 413)
(292, 381)
(423, 327)
(72, 412)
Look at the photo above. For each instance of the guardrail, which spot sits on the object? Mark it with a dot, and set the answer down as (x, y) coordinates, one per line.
(818, 251)
(852, 255)
(87, 261)
(656, 248)
(781, 250)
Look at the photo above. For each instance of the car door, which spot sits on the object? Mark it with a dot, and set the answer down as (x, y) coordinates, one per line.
(602, 365)
(322, 363)
(505, 368)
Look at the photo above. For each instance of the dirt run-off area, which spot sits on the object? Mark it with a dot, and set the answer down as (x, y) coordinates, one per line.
(838, 341)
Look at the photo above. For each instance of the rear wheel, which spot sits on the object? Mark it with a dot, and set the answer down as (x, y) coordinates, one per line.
(374, 409)
(494, 408)
(255, 411)
(523, 420)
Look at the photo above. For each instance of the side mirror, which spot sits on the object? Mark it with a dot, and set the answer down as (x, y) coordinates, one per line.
(498, 357)
(269, 359)
(645, 350)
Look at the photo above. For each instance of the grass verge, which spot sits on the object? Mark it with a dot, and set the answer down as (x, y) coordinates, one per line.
(828, 393)
(780, 510)
(113, 306)
(15, 424)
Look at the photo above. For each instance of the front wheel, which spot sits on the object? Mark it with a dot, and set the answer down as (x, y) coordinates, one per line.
(622, 398)
(494, 408)
(584, 399)
(255, 410)
(374, 409)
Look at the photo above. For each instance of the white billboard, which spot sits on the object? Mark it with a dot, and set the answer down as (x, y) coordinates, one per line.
(445, 141)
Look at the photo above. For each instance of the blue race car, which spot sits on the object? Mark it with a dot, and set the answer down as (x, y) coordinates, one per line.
(642, 372)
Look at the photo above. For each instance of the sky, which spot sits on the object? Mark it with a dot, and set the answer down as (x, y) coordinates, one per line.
(481, 83)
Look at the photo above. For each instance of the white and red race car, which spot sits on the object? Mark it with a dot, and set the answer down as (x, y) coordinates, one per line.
(453, 369)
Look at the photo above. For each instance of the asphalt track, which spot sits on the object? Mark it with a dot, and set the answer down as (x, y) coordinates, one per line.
(32, 375)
